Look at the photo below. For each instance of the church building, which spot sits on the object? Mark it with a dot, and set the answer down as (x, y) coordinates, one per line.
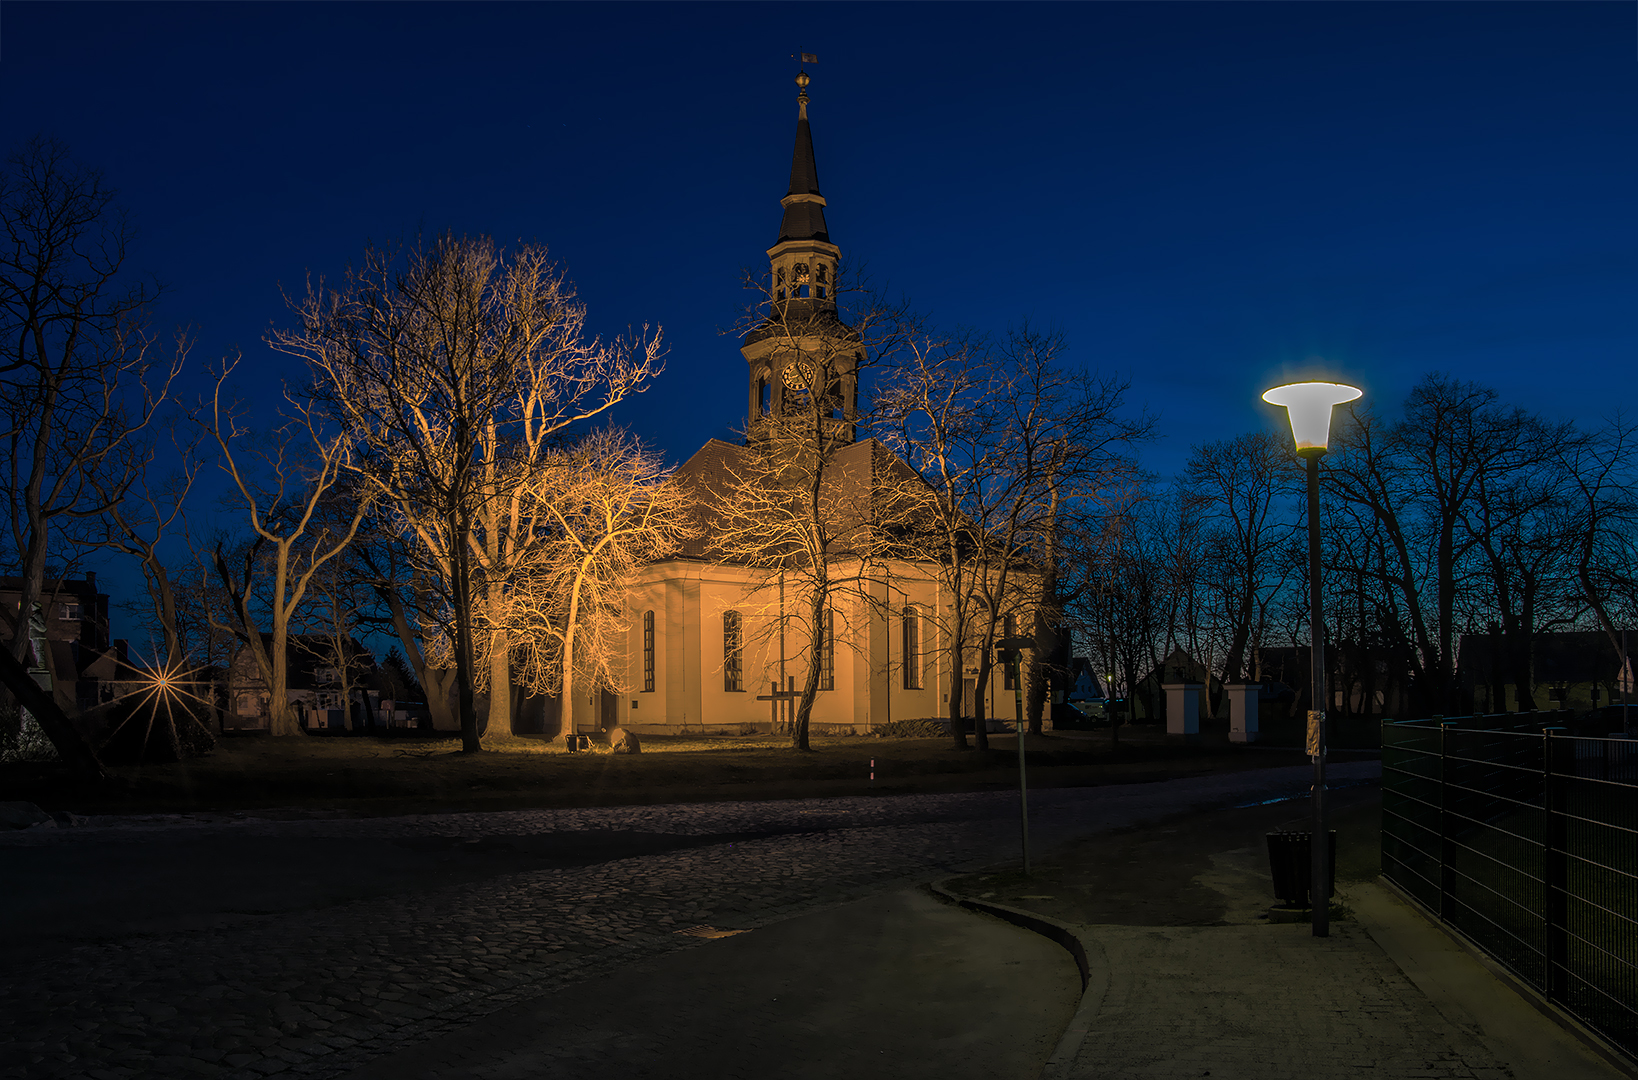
(715, 645)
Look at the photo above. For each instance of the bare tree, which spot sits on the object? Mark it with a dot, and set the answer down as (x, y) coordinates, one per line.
(1238, 488)
(610, 507)
(78, 377)
(442, 362)
(1007, 443)
(137, 526)
(288, 483)
(1419, 481)
(1603, 524)
(791, 508)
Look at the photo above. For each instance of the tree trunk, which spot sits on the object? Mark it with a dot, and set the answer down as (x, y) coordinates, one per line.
(958, 726)
(462, 565)
(500, 680)
(981, 685)
(810, 687)
(281, 717)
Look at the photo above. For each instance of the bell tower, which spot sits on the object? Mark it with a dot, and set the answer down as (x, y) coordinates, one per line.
(802, 356)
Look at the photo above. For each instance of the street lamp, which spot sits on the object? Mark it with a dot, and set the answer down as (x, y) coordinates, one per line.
(1309, 406)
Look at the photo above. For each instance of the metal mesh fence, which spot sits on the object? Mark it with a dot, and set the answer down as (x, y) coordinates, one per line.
(1525, 840)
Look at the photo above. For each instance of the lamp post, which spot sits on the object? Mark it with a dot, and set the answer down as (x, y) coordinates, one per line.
(1309, 405)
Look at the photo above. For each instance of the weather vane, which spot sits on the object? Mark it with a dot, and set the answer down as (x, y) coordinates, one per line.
(802, 79)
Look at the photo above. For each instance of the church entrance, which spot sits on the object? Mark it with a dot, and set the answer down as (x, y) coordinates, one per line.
(969, 698)
(608, 709)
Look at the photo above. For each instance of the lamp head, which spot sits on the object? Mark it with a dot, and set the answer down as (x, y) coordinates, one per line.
(1309, 406)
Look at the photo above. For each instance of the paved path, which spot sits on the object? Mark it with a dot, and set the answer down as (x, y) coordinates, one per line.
(315, 991)
(898, 985)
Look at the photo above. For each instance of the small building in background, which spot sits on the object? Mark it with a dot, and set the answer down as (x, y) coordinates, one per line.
(82, 665)
(330, 690)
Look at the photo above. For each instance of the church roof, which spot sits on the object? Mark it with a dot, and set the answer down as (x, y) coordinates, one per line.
(804, 218)
(861, 478)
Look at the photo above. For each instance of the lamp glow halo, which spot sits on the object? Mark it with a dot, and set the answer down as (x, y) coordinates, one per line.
(1309, 406)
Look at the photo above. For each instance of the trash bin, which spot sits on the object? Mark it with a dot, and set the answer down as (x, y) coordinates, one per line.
(1290, 864)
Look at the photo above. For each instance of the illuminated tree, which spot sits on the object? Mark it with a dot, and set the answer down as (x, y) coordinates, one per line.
(452, 368)
(608, 506)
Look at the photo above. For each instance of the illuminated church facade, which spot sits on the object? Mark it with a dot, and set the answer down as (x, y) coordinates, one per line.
(717, 647)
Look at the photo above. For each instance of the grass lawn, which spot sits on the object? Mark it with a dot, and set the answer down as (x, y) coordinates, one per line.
(380, 776)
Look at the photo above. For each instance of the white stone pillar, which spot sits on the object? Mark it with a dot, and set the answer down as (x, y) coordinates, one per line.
(1183, 709)
(1242, 711)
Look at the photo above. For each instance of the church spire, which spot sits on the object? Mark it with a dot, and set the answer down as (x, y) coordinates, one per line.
(802, 340)
(804, 206)
(803, 259)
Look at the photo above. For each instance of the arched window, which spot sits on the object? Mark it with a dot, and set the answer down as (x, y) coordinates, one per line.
(764, 395)
(648, 652)
(827, 652)
(912, 647)
(733, 649)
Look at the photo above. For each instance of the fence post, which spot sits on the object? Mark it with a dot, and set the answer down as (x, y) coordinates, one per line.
(1554, 866)
(1445, 727)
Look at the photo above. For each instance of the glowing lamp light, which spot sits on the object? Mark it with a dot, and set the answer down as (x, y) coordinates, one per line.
(1309, 405)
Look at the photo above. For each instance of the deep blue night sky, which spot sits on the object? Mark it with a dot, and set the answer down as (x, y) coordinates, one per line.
(1202, 196)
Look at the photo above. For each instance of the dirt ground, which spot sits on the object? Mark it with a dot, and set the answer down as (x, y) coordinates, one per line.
(389, 776)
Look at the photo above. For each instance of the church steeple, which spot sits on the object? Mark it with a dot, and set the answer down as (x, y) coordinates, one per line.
(802, 336)
(803, 258)
(804, 206)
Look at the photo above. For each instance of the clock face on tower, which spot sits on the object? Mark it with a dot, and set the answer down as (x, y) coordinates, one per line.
(799, 374)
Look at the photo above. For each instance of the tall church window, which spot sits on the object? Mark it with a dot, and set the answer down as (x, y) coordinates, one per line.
(912, 647)
(1011, 631)
(648, 652)
(733, 649)
(827, 652)
(764, 395)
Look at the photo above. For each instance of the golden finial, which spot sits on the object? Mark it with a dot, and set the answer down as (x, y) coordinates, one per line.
(802, 81)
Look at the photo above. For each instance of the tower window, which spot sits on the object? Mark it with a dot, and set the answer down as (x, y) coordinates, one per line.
(820, 286)
(779, 283)
(912, 648)
(799, 279)
(648, 652)
(764, 395)
(732, 653)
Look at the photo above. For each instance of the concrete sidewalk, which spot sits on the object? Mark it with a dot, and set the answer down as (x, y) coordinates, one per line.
(1189, 978)
(899, 985)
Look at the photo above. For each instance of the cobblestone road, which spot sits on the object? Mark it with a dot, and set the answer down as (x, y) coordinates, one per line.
(315, 992)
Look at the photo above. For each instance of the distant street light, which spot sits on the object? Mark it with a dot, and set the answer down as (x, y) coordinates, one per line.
(1309, 405)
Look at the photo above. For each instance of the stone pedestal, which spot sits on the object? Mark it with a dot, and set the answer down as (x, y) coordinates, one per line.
(1242, 699)
(1183, 709)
